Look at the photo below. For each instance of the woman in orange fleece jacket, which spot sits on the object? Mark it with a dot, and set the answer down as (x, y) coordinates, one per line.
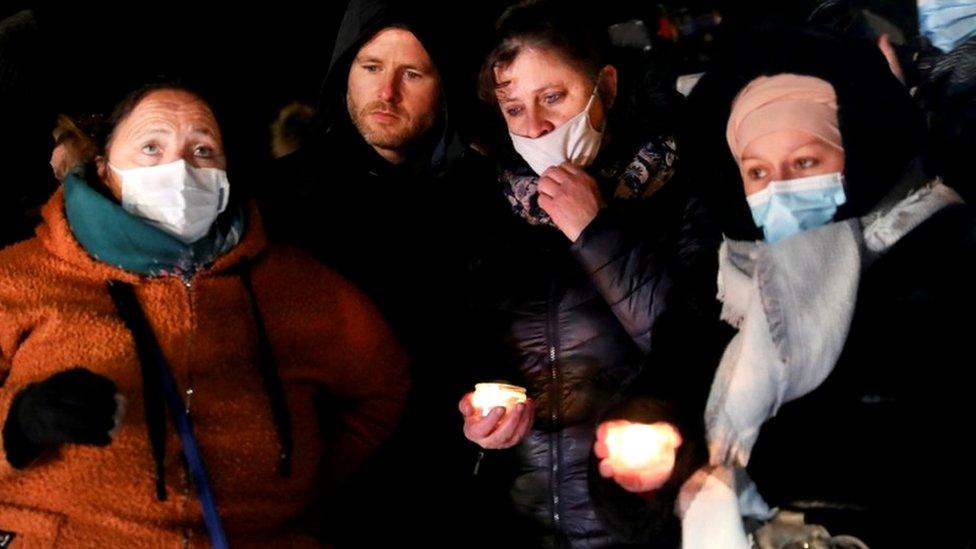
(136, 291)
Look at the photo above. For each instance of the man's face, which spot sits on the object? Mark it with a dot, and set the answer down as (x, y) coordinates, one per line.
(393, 92)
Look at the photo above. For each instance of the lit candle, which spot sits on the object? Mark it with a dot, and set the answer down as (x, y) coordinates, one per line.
(488, 396)
(640, 446)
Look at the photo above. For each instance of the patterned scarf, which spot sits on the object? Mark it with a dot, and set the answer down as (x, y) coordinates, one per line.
(622, 181)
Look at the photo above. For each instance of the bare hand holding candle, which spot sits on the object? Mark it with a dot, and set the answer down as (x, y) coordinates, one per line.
(639, 457)
(496, 415)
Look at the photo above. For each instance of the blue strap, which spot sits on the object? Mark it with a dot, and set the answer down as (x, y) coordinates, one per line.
(148, 349)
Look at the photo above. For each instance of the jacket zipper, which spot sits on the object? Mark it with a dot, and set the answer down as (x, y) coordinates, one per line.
(555, 453)
(187, 280)
(188, 283)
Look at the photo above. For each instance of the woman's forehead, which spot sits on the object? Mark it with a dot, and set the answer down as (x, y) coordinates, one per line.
(532, 69)
(175, 104)
(783, 142)
(174, 108)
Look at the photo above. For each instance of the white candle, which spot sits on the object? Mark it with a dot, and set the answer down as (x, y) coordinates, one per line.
(488, 396)
(641, 446)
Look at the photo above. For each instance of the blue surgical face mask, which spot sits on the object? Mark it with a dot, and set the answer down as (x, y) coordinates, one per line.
(785, 208)
(947, 23)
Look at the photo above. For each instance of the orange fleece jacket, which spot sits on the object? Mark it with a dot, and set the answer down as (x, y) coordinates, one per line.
(330, 344)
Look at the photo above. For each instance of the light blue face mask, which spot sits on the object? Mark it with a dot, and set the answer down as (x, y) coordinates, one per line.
(785, 208)
(947, 23)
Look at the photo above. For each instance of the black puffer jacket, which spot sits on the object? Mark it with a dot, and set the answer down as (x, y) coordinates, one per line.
(572, 322)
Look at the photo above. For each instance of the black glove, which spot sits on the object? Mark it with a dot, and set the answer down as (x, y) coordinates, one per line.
(76, 406)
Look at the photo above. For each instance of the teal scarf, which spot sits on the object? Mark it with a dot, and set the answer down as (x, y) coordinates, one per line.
(114, 236)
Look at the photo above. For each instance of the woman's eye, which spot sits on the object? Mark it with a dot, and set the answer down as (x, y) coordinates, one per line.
(806, 163)
(371, 68)
(150, 149)
(203, 151)
(757, 174)
(513, 111)
(552, 98)
(414, 75)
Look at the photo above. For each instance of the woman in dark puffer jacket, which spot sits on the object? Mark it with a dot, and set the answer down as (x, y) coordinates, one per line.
(588, 240)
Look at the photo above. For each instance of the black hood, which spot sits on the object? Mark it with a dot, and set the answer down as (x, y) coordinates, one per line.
(27, 116)
(881, 128)
(948, 90)
(363, 20)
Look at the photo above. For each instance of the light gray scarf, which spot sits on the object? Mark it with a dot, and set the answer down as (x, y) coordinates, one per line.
(793, 303)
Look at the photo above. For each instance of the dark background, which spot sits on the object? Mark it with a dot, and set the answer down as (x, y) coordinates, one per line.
(251, 60)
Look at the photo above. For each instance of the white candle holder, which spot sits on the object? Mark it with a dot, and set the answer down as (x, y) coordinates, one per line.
(640, 446)
(488, 396)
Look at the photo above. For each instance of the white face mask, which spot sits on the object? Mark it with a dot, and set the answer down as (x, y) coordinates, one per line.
(177, 198)
(575, 141)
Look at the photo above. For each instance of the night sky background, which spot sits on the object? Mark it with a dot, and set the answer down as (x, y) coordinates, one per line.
(251, 60)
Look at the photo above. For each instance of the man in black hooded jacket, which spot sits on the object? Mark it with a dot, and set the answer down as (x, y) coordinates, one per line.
(376, 196)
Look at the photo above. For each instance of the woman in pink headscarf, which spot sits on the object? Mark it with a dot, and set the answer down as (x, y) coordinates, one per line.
(847, 274)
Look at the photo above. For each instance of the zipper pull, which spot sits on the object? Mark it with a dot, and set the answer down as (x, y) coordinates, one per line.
(477, 463)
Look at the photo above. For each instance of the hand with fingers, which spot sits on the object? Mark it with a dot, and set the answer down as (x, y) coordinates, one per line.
(639, 457)
(76, 406)
(891, 56)
(571, 198)
(500, 428)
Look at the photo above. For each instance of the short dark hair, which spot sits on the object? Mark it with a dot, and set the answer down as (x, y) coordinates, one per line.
(547, 25)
